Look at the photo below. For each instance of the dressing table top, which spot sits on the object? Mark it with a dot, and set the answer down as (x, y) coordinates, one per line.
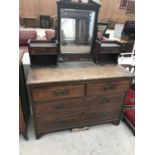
(76, 71)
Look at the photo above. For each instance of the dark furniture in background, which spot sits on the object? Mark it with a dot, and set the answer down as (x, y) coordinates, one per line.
(29, 21)
(43, 53)
(76, 94)
(24, 107)
(128, 48)
(45, 21)
(102, 27)
(128, 31)
(128, 35)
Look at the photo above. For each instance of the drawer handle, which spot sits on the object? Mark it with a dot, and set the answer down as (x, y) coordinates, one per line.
(60, 121)
(104, 100)
(60, 92)
(60, 106)
(108, 87)
(82, 113)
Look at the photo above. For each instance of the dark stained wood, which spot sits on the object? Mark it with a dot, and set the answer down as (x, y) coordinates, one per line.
(109, 87)
(73, 105)
(90, 6)
(107, 51)
(43, 52)
(57, 92)
(29, 21)
(22, 127)
(24, 107)
(22, 122)
(76, 71)
(76, 94)
(82, 118)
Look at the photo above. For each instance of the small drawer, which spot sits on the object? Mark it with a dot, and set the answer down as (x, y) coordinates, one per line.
(110, 50)
(107, 87)
(35, 51)
(57, 92)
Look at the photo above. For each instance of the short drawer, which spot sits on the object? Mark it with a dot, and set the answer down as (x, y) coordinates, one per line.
(110, 50)
(107, 87)
(47, 123)
(61, 107)
(45, 93)
(36, 50)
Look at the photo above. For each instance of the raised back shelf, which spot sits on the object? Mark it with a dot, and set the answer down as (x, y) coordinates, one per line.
(106, 52)
(43, 53)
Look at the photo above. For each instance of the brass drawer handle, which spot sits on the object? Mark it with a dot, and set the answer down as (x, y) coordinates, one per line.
(104, 100)
(60, 92)
(108, 87)
(60, 106)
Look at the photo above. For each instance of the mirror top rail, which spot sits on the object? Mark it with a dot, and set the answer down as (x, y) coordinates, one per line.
(88, 6)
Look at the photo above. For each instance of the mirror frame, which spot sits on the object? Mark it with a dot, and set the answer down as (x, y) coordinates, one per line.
(90, 6)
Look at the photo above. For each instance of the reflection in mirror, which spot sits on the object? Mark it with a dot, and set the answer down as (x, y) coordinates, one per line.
(77, 28)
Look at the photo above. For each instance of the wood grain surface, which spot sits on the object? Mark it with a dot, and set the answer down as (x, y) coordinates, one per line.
(75, 71)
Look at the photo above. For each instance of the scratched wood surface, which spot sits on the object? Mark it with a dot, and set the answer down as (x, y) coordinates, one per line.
(75, 71)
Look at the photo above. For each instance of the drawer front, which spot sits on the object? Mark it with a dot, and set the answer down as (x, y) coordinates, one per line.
(40, 50)
(61, 107)
(57, 92)
(46, 123)
(107, 88)
(110, 50)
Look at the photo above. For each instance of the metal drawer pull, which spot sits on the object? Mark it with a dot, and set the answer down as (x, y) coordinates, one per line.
(60, 92)
(60, 106)
(104, 100)
(108, 87)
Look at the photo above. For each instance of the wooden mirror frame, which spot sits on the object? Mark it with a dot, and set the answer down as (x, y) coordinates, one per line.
(90, 6)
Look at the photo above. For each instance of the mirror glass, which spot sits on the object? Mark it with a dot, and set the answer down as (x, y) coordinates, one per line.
(76, 30)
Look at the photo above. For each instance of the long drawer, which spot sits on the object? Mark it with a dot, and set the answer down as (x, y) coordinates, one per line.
(72, 105)
(82, 118)
(107, 87)
(46, 93)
